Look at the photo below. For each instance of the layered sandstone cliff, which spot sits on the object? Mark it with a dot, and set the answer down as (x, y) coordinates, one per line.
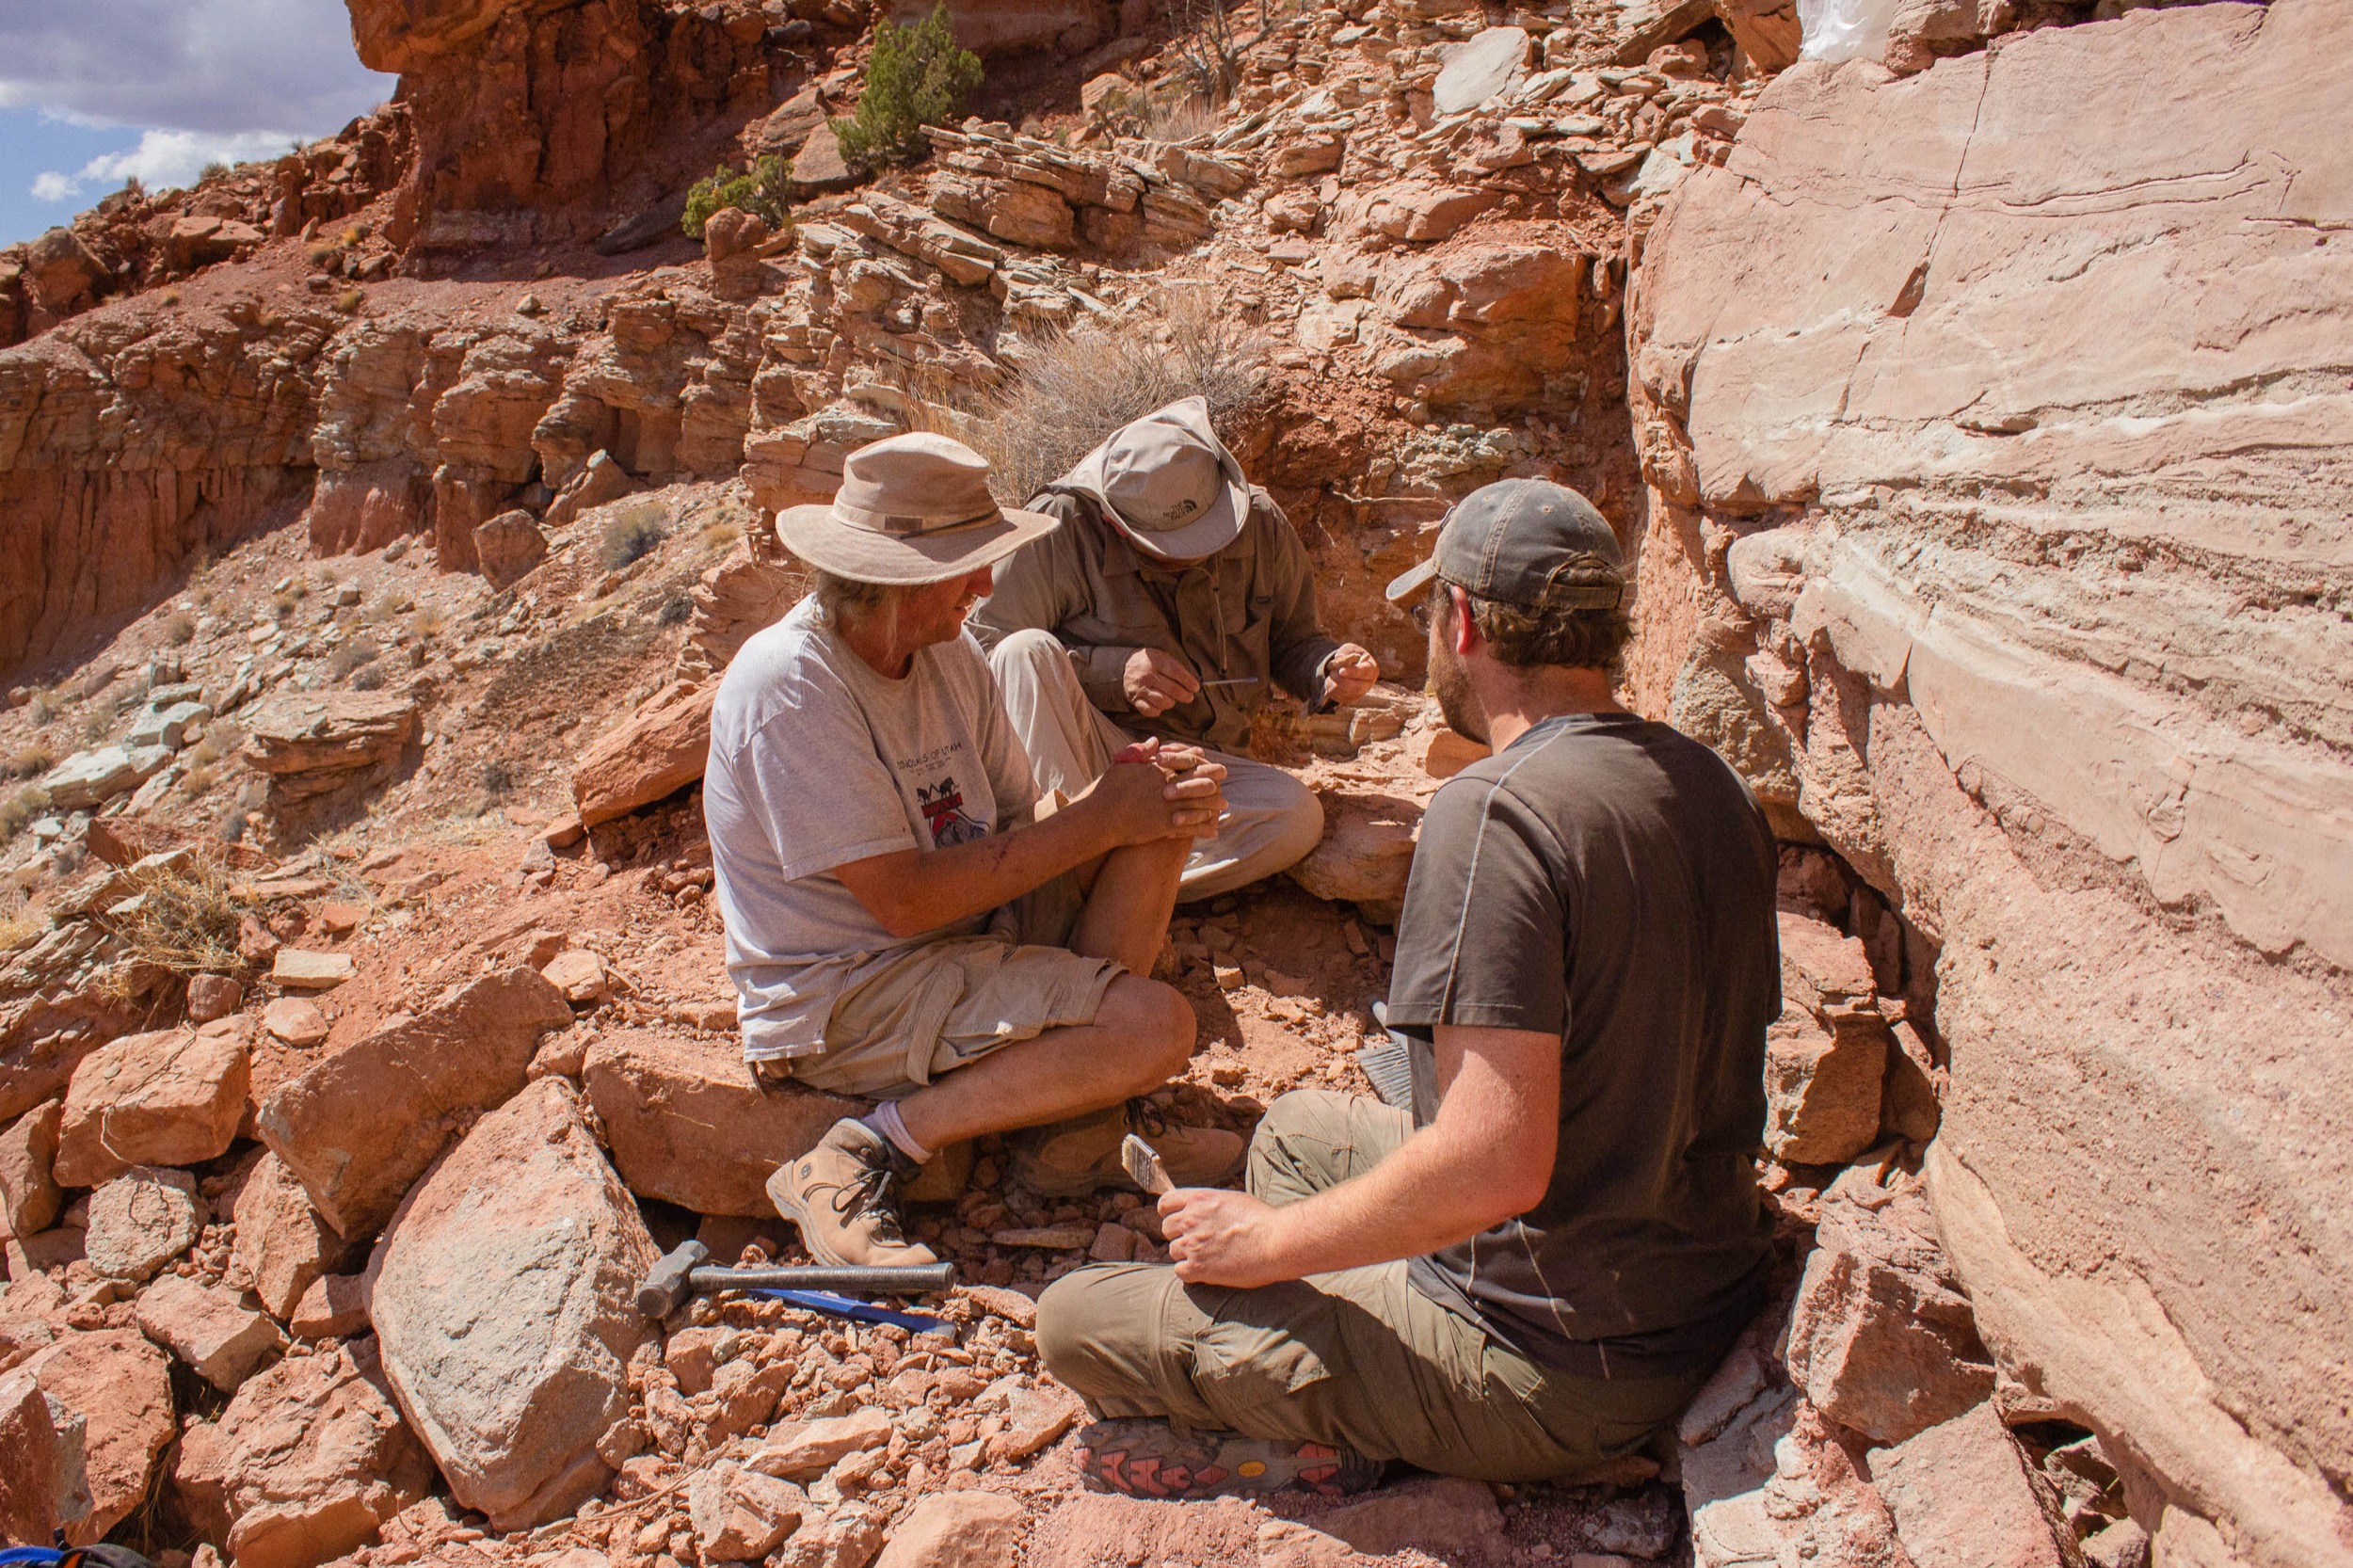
(2000, 434)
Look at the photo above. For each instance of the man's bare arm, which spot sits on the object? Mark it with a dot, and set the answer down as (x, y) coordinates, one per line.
(1486, 1157)
(914, 890)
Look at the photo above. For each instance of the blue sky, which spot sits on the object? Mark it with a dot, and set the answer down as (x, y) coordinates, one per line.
(93, 92)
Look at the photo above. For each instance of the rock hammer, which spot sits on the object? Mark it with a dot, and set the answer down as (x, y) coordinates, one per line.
(685, 1271)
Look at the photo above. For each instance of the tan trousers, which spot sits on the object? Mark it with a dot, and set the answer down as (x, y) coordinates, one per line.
(1273, 819)
(1358, 1358)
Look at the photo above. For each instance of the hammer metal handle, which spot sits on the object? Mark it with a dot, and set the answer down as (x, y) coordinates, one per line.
(918, 1280)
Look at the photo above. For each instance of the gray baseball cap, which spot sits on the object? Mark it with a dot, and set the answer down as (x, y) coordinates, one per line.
(1528, 542)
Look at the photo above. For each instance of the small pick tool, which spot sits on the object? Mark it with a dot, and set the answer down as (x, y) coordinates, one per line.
(1144, 1166)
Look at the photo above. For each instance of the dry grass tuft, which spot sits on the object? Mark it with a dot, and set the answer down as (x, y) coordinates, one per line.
(1078, 386)
(631, 534)
(30, 761)
(180, 629)
(184, 920)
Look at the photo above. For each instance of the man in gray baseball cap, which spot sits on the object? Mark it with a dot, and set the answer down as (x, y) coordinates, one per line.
(1173, 602)
(1526, 1270)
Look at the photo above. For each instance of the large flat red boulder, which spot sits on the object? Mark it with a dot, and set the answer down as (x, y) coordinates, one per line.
(121, 1386)
(175, 1098)
(663, 746)
(687, 1125)
(358, 1128)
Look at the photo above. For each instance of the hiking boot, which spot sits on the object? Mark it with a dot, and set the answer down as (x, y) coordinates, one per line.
(1152, 1459)
(1070, 1159)
(840, 1193)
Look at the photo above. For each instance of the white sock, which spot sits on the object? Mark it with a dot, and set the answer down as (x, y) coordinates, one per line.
(884, 1119)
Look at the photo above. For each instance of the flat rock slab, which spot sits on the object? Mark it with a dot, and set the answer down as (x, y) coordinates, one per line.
(663, 746)
(295, 1020)
(687, 1125)
(298, 732)
(93, 777)
(957, 1530)
(282, 1243)
(210, 1329)
(357, 1128)
(1963, 1498)
(305, 1465)
(1478, 68)
(312, 971)
(141, 1220)
(175, 1098)
(503, 1295)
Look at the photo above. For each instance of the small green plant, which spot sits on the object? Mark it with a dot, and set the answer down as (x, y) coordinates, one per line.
(497, 780)
(632, 534)
(675, 611)
(918, 76)
(760, 190)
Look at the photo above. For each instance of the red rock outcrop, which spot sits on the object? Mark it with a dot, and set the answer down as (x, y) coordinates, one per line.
(1999, 474)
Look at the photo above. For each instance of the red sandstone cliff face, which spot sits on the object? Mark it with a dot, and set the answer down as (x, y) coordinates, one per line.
(2001, 448)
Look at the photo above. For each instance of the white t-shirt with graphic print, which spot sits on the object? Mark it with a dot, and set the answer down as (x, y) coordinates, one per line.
(817, 760)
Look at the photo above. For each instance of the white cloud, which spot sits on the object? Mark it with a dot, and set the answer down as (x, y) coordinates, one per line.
(162, 159)
(226, 68)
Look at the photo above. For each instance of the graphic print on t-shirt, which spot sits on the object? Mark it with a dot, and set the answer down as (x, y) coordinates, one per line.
(943, 810)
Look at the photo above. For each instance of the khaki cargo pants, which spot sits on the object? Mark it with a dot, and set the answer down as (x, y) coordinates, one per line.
(1272, 819)
(1358, 1358)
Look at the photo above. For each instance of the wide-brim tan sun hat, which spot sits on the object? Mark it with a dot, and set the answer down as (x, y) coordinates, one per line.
(911, 509)
(1168, 483)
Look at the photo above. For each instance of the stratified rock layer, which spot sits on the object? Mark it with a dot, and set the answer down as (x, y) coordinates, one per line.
(2037, 444)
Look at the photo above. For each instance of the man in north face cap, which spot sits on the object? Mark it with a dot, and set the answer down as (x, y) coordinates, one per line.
(1174, 601)
(1526, 1273)
(902, 923)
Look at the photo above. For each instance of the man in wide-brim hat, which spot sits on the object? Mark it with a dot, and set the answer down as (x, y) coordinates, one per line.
(1174, 601)
(903, 922)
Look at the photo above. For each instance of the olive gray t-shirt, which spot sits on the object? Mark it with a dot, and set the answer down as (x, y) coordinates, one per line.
(817, 760)
(1611, 880)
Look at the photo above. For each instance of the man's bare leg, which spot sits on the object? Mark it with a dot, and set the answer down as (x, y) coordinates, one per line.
(1128, 904)
(1139, 1040)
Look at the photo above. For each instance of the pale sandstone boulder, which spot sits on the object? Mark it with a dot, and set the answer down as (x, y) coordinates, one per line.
(121, 1386)
(282, 1243)
(334, 1307)
(1881, 1339)
(1826, 1055)
(1768, 1482)
(687, 1125)
(306, 1463)
(141, 1220)
(2106, 787)
(503, 1295)
(807, 1449)
(741, 1515)
(508, 546)
(357, 1128)
(310, 743)
(1964, 1495)
(209, 1328)
(663, 746)
(29, 1198)
(1366, 853)
(957, 1530)
(167, 1099)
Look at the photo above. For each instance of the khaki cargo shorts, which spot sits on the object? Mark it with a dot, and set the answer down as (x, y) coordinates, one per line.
(936, 1008)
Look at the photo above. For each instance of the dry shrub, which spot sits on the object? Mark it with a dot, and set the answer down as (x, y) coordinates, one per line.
(19, 926)
(185, 920)
(20, 810)
(180, 629)
(1178, 118)
(355, 654)
(31, 762)
(1078, 386)
(430, 621)
(631, 534)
